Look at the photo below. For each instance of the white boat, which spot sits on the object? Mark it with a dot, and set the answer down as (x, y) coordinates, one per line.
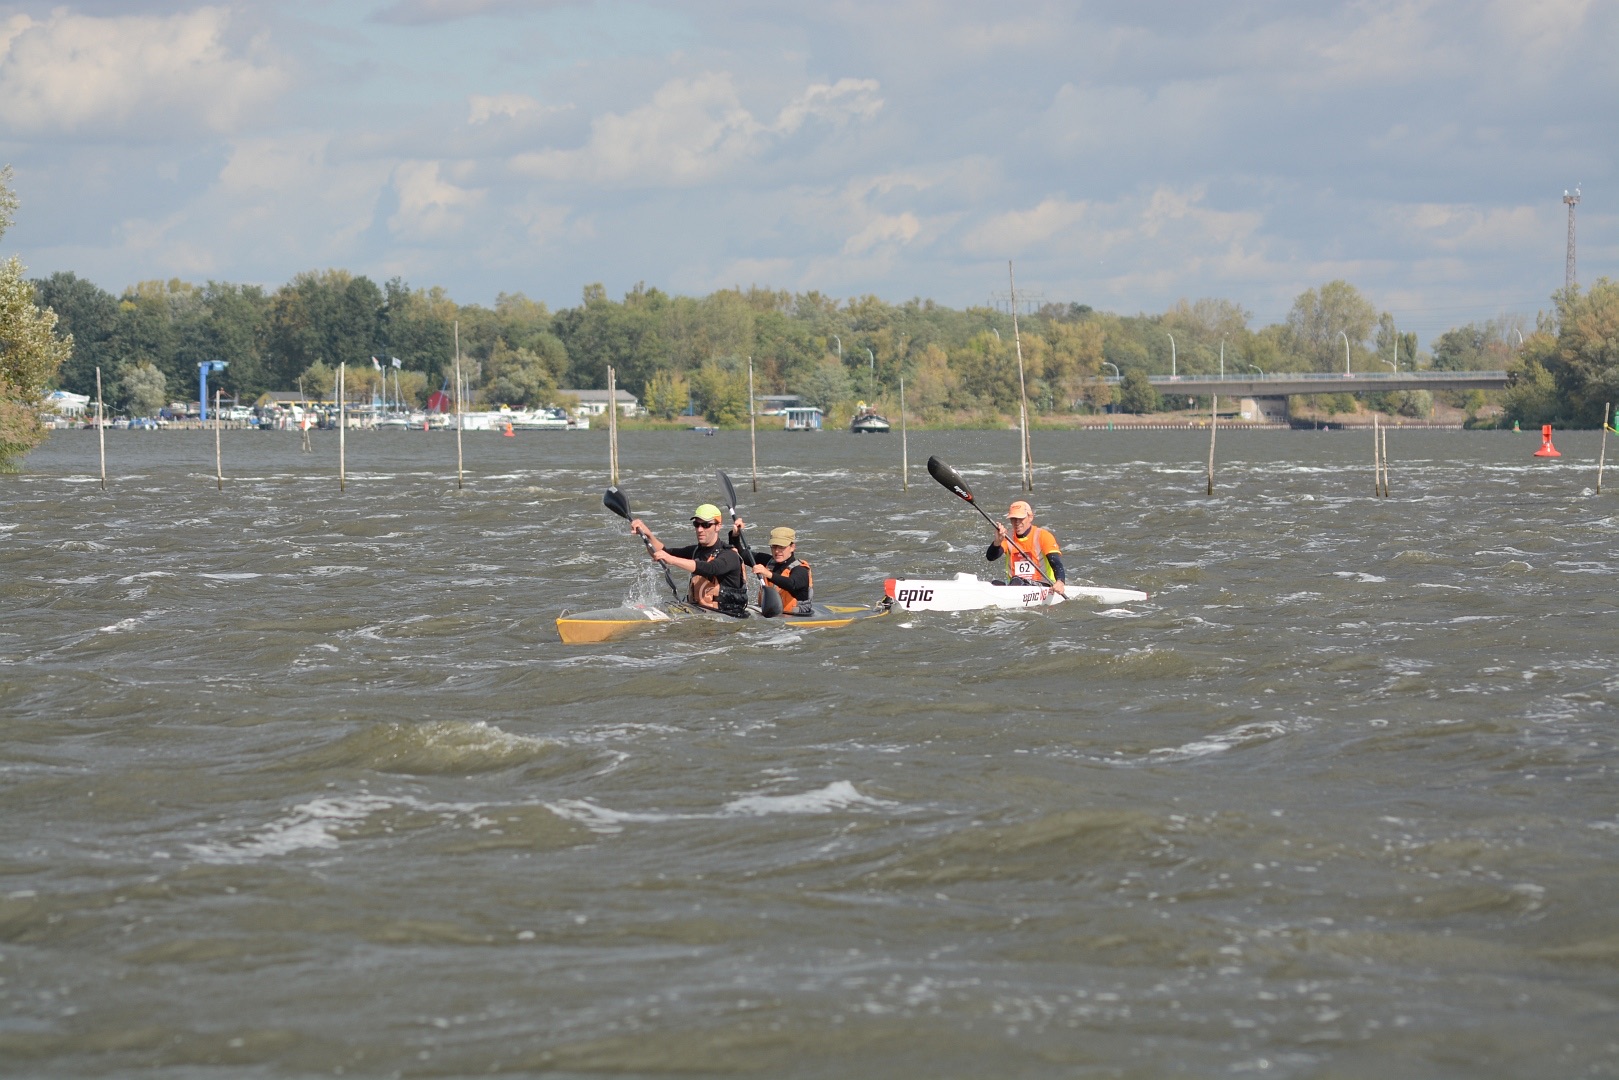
(964, 592)
(867, 421)
(540, 420)
(551, 419)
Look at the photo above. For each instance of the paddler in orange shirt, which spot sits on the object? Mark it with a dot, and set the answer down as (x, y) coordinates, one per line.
(1030, 550)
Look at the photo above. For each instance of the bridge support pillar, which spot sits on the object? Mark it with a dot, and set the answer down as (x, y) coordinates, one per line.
(1269, 410)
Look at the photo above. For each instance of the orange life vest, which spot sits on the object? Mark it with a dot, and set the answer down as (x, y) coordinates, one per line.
(1023, 551)
(789, 603)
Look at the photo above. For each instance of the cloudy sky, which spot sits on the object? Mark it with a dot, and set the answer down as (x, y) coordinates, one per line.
(1124, 154)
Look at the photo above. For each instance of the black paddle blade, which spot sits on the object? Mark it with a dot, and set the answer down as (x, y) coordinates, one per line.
(730, 491)
(769, 602)
(616, 501)
(950, 478)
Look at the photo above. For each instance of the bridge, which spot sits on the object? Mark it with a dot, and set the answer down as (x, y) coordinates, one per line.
(1263, 396)
(1287, 383)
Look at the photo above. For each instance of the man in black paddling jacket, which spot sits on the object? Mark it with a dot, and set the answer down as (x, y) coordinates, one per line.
(715, 568)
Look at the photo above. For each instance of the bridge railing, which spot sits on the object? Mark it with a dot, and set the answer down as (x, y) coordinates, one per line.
(1326, 378)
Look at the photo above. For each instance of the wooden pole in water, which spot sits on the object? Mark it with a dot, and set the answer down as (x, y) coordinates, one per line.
(612, 426)
(1383, 447)
(342, 426)
(1377, 461)
(753, 431)
(459, 470)
(219, 460)
(101, 433)
(904, 449)
(1025, 458)
(304, 423)
(1602, 458)
(1214, 422)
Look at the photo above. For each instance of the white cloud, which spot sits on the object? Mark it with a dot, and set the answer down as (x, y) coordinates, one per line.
(693, 130)
(430, 206)
(289, 198)
(131, 75)
(481, 109)
(1459, 228)
(1019, 230)
(838, 102)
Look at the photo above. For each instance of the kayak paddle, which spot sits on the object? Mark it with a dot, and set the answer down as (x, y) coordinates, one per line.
(951, 479)
(619, 503)
(769, 598)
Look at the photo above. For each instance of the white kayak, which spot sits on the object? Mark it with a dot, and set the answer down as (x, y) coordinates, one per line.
(964, 592)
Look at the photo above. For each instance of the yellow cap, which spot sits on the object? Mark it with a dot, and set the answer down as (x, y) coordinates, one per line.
(1020, 509)
(782, 536)
(706, 512)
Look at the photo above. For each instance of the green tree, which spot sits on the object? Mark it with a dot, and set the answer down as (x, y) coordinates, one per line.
(933, 384)
(1531, 395)
(332, 317)
(89, 315)
(30, 351)
(667, 394)
(519, 377)
(1136, 394)
(720, 389)
(1318, 317)
(825, 385)
(319, 381)
(145, 388)
(418, 326)
(1584, 363)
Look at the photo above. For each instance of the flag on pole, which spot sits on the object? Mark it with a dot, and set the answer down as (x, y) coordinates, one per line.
(396, 362)
(376, 363)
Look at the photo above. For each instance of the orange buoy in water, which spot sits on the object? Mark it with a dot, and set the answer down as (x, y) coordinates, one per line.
(1546, 447)
(508, 431)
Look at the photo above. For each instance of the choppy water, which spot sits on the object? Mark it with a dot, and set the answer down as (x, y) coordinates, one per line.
(301, 782)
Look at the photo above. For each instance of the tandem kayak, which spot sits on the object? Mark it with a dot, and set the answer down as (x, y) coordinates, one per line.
(964, 592)
(584, 627)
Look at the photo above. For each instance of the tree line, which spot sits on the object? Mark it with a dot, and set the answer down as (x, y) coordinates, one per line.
(681, 354)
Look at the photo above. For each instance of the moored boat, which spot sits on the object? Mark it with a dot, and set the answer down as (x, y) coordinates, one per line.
(964, 592)
(867, 421)
(586, 627)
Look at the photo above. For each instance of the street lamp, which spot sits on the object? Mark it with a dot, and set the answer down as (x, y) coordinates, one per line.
(840, 347)
(1346, 352)
(1171, 337)
(1222, 356)
(1116, 373)
(1259, 369)
(872, 380)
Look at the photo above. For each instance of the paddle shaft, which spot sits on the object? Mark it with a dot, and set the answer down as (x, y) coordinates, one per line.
(747, 552)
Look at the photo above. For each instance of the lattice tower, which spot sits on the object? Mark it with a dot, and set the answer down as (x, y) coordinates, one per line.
(1568, 266)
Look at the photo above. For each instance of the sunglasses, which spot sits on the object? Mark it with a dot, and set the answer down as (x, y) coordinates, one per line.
(699, 523)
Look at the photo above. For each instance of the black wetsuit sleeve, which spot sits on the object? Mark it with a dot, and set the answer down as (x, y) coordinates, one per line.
(748, 557)
(687, 552)
(1055, 559)
(994, 551)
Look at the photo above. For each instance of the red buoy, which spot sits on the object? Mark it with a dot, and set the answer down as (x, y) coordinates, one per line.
(1546, 447)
